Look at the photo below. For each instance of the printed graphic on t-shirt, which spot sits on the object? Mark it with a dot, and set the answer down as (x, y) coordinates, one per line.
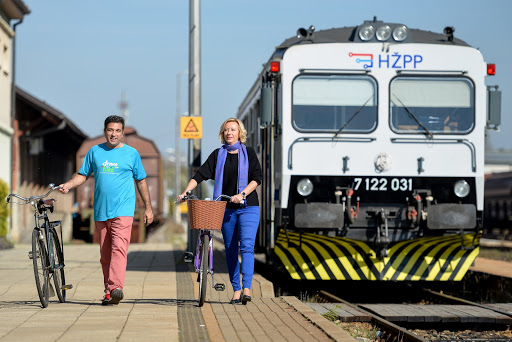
(109, 167)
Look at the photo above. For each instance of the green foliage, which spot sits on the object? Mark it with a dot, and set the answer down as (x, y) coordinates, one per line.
(4, 210)
(331, 316)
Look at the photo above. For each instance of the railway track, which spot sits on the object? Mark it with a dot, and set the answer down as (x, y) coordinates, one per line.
(462, 321)
(389, 330)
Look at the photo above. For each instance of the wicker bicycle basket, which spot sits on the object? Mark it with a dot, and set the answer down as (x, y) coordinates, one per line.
(206, 214)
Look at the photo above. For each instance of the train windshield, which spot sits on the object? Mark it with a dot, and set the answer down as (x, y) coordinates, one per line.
(432, 105)
(334, 103)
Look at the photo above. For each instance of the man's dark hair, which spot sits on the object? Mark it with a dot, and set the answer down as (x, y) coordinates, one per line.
(114, 118)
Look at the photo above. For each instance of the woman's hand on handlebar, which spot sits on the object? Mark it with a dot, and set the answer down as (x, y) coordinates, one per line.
(238, 199)
(183, 197)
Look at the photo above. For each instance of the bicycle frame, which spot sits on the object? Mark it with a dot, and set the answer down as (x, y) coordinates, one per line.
(46, 247)
(47, 227)
(199, 244)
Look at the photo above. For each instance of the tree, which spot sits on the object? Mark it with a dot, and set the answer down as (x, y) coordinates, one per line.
(4, 210)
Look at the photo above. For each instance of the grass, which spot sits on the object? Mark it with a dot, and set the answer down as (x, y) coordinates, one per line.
(355, 329)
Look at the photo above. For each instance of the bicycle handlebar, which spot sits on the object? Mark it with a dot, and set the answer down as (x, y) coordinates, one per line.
(189, 196)
(31, 198)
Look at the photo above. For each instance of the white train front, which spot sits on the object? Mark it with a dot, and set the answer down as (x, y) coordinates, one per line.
(372, 144)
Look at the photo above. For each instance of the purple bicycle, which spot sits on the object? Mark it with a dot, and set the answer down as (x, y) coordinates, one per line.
(205, 216)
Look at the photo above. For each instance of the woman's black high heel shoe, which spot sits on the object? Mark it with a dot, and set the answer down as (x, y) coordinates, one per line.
(236, 301)
(245, 299)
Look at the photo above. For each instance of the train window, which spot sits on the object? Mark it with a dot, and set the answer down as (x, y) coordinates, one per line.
(434, 104)
(330, 103)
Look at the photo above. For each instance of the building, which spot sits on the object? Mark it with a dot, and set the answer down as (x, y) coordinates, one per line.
(10, 10)
(45, 147)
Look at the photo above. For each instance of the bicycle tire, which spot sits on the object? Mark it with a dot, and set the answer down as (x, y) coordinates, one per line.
(203, 271)
(58, 276)
(40, 267)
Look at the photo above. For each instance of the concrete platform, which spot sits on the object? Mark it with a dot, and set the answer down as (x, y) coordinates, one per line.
(495, 267)
(160, 302)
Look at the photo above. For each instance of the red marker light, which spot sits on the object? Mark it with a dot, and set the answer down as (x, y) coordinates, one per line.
(274, 66)
(491, 69)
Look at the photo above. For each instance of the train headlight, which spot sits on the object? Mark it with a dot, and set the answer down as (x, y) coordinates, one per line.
(383, 33)
(400, 33)
(461, 188)
(366, 32)
(304, 187)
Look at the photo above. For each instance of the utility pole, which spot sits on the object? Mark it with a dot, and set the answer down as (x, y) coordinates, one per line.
(123, 107)
(194, 94)
(177, 179)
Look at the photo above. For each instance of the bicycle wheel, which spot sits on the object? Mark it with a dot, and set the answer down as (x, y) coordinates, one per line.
(203, 271)
(40, 267)
(58, 267)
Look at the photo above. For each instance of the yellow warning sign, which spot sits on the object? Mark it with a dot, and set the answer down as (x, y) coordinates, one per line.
(191, 127)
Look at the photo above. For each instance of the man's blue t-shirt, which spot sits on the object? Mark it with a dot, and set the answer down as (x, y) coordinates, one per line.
(114, 170)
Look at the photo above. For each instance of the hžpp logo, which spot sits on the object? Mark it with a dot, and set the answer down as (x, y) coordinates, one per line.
(394, 61)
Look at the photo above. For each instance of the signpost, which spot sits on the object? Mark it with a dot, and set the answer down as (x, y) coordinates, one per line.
(191, 127)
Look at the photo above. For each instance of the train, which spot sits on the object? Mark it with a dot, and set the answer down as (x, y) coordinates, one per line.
(371, 140)
(498, 206)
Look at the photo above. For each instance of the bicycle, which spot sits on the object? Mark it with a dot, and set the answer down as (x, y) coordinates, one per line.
(47, 252)
(206, 216)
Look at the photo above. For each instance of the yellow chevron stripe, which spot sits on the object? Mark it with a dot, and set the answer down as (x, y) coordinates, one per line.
(467, 264)
(439, 265)
(302, 264)
(310, 238)
(316, 263)
(414, 258)
(338, 275)
(313, 244)
(435, 263)
(294, 237)
(286, 262)
(344, 260)
(457, 258)
(424, 265)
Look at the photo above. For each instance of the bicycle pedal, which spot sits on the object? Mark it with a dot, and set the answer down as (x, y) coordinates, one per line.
(30, 255)
(219, 287)
(66, 287)
(188, 257)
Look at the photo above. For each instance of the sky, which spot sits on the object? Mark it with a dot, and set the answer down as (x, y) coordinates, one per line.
(81, 56)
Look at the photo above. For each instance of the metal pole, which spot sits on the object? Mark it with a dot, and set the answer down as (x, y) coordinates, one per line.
(177, 163)
(15, 160)
(194, 94)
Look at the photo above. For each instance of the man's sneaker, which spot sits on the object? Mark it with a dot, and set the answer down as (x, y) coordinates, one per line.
(106, 299)
(116, 296)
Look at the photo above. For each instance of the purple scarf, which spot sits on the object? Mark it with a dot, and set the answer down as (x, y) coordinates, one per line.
(243, 168)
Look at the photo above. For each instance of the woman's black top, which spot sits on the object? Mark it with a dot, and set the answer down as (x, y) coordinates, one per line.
(229, 183)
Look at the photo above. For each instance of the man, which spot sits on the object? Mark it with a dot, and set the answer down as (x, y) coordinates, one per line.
(115, 165)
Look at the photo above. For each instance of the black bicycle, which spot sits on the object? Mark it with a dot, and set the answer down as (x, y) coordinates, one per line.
(47, 252)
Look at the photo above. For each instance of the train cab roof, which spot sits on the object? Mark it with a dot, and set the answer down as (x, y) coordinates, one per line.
(372, 32)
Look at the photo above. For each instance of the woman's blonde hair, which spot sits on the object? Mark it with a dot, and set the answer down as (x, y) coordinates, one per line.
(241, 128)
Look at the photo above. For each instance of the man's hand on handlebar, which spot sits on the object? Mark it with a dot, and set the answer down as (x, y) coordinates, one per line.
(64, 188)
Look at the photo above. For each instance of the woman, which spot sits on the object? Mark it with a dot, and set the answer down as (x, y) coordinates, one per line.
(237, 172)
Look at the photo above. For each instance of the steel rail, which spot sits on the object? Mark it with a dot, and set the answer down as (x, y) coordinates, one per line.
(404, 334)
(465, 301)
